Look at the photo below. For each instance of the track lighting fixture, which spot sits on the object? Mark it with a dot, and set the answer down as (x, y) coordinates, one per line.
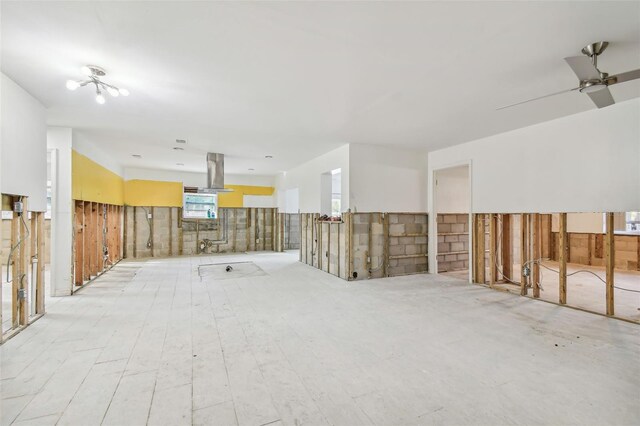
(95, 73)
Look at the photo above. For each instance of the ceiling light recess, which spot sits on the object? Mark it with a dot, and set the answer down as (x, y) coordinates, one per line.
(95, 73)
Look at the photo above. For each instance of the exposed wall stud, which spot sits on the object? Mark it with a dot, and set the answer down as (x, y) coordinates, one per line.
(562, 229)
(610, 263)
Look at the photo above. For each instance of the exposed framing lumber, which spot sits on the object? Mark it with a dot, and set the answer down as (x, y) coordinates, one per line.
(79, 233)
(23, 278)
(101, 238)
(151, 221)
(523, 253)
(385, 247)
(171, 231)
(264, 229)
(126, 230)
(40, 309)
(562, 229)
(369, 257)
(480, 248)
(180, 231)
(536, 236)
(135, 232)
(507, 261)
(493, 247)
(610, 263)
(15, 267)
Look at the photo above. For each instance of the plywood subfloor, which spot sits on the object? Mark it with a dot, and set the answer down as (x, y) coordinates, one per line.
(149, 343)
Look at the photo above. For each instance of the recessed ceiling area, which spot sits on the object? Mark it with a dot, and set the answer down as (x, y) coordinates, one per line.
(295, 80)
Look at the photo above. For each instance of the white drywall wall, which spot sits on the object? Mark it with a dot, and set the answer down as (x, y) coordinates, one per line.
(23, 144)
(452, 190)
(60, 142)
(581, 163)
(383, 179)
(306, 178)
(195, 179)
(266, 201)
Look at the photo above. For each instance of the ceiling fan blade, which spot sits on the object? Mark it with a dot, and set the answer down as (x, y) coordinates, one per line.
(602, 98)
(583, 67)
(623, 76)
(535, 99)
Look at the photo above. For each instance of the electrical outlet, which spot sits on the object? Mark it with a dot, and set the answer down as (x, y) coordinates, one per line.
(149, 216)
(257, 240)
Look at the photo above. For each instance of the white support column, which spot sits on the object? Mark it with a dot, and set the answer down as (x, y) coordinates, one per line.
(59, 141)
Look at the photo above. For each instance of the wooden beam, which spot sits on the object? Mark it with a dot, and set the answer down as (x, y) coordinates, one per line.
(153, 217)
(180, 232)
(79, 231)
(480, 248)
(524, 218)
(24, 275)
(493, 248)
(41, 265)
(507, 261)
(135, 232)
(385, 249)
(99, 238)
(536, 236)
(15, 267)
(264, 229)
(610, 257)
(562, 259)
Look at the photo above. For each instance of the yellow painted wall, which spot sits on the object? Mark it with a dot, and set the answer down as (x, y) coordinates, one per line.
(92, 182)
(153, 193)
(236, 198)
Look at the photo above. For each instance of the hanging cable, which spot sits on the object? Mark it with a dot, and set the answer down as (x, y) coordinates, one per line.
(20, 241)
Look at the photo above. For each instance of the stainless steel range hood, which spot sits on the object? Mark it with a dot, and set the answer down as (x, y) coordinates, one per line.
(215, 174)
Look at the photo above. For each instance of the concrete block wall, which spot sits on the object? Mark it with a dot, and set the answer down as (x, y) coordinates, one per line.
(366, 245)
(236, 230)
(407, 237)
(589, 249)
(453, 242)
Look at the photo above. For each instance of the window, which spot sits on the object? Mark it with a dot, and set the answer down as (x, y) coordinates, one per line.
(200, 206)
(632, 220)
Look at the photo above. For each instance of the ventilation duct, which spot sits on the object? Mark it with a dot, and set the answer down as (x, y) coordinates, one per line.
(215, 174)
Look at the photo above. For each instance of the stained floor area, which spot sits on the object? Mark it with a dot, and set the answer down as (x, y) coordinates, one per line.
(154, 342)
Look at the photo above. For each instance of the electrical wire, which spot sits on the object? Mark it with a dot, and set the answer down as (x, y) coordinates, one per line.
(539, 262)
(20, 241)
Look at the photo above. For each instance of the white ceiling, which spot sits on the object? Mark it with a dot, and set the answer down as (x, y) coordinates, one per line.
(294, 80)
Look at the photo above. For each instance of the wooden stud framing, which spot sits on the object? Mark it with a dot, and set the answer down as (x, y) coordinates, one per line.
(23, 278)
(535, 266)
(507, 262)
(79, 233)
(153, 218)
(135, 232)
(180, 231)
(480, 248)
(100, 241)
(610, 263)
(41, 264)
(15, 267)
(523, 253)
(170, 231)
(562, 229)
(493, 247)
(385, 247)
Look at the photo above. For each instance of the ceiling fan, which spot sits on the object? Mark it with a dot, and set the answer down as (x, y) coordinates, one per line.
(593, 82)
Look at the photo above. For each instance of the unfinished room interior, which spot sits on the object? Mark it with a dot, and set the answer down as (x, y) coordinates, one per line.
(320, 213)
